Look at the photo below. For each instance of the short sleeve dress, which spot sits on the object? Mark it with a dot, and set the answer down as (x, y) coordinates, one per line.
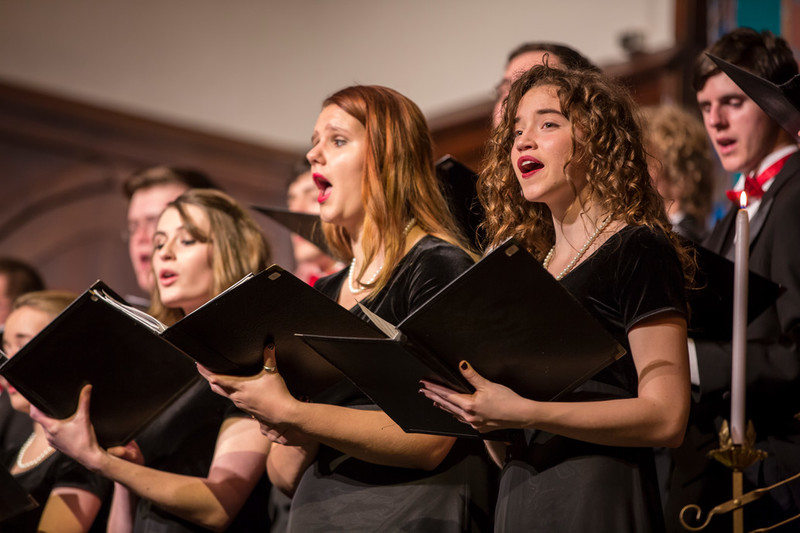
(341, 493)
(57, 470)
(182, 440)
(555, 484)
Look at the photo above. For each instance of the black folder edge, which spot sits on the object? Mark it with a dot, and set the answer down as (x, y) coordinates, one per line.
(780, 102)
(307, 225)
(14, 499)
(37, 395)
(442, 374)
(307, 375)
(711, 302)
(458, 184)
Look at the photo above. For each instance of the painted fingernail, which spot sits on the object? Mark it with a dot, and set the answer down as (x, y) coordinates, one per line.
(464, 365)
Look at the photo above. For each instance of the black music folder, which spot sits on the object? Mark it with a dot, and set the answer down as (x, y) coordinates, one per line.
(711, 300)
(228, 333)
(308, 226)
(134, 373)
(780, 102)
(458, 183)
(506, 315)
(14, 499)
(138, 366)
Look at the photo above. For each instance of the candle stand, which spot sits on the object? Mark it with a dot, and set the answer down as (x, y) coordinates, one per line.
(737, 457)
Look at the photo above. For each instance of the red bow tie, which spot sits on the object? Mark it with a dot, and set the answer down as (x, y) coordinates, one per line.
(753, 186)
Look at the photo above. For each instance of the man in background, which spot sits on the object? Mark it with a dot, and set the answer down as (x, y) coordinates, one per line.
(148, 193)
(522, 58)
(16, 278)
(749, 142)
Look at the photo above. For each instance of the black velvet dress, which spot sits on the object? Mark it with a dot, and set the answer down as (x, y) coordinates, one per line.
(554, 484)
(341, 493)
(57, 470)
(181, 440)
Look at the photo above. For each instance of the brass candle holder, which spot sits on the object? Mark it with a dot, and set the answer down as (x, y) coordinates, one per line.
(737, 457)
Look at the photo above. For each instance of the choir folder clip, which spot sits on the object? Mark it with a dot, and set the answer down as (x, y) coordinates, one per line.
(506, 315)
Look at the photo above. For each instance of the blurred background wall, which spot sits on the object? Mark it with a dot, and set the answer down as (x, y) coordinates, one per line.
(91, 90)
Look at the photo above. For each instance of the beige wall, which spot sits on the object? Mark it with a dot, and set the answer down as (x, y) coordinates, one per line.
(258, 69)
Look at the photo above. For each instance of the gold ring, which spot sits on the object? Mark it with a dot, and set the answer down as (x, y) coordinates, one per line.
(270, 369)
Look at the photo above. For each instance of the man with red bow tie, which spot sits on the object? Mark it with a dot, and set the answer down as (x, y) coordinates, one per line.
(749, 142)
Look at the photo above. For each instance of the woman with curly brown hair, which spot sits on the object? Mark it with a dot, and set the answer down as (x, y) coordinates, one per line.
(567, 176)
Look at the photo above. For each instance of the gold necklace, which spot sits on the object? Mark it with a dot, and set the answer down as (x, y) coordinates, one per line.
(571, 264)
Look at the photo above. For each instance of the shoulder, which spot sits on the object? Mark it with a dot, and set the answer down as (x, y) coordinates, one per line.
(644, 241)
(435, 251)
(330, 285)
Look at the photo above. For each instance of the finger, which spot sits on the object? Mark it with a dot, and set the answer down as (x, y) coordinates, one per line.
(118, 451)
(469, 373)
(270, 361)
(38, 416)
(444, 404)
(441, 390)
(83, 402)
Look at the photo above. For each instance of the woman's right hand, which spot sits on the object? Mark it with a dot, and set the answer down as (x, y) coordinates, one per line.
(75, 435)
(264, 395)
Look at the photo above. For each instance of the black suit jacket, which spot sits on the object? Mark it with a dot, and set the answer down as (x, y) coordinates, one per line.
(773, 372)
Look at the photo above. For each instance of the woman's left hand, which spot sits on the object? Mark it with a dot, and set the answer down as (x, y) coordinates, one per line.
(263, 395)
(285, 435)
(492, 406)
(75, 435)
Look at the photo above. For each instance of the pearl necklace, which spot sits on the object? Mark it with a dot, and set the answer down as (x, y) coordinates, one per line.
(571, 264)
(372, 279)
(36, 460)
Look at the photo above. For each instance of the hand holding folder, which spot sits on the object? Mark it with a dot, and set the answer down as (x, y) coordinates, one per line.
(138, 366)
(506, 315)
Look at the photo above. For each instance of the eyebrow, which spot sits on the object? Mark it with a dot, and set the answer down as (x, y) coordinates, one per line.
(549, 112)
(545, 111)
(164, 233)
(328, 127)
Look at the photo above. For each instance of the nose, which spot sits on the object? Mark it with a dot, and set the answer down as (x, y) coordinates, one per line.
(524, 141)
(165, 252)
(315, 155)
(715, 117)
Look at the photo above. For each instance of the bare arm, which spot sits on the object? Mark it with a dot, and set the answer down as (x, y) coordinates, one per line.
(367, 435)
(69, 510)
(656, 417)
(123, 510)
(211, 502)
(286, 465)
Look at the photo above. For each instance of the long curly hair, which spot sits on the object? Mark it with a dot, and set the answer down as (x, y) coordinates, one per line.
(678, 143)
(606, 141)
(399, 181)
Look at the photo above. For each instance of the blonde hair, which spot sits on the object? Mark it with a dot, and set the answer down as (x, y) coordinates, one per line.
(237, 245)
(51, 302)
(399, 181)
(677, 140)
